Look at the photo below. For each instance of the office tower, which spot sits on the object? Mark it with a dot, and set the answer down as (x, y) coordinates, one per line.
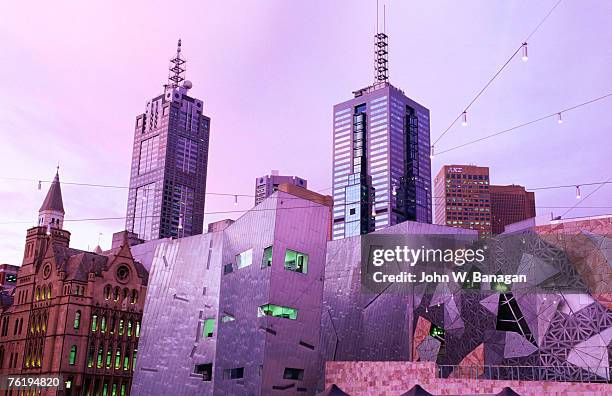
(462, 197)
(266, 185)
(510, 204)
(73, 313)
(381, 164)
(169, 162)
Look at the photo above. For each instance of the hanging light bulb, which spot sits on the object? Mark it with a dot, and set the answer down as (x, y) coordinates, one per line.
(39, 185)
(559, 119)
(464, 120)
(431, 154)
(525, 57)
(577, 192)
(235, 200)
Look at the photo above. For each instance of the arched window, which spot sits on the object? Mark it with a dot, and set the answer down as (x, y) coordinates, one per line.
(37, 294)
(20, 325)
(44, 292)
(126, 359)
(118, 358)
(129, 329)
(125, 294)
(116, 294)
(107, 292)
(2, 357)
(134, 296)
(109, 355)
(134, 359)
(120, 326)
(137, 328)
(90, 355)
(72, 357)
(103, 324)
(113, 322)
(100, 355)
(39, 357)
(43, 325)
(49, 293)
(37, 320)
(94, 322)
(77, 320)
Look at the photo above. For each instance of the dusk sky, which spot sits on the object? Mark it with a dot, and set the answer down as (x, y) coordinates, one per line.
(74, 76)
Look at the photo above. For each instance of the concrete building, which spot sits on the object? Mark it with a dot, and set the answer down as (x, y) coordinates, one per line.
(381, 157)
(237, 312)
(169, 162)
(462, 197)
(74, 313)
(267, 185)
(510, 204)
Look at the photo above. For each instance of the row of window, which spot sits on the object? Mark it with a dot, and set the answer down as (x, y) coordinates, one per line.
(294, 261)
(128, 327)
(125, 295)
(117, 359)
(42, 294)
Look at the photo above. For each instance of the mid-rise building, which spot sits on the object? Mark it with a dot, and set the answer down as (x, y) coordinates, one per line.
(169, 162)
(74, 313)
(8, 276)
(237, 312)
(510, 204)
(267, 185)
(462, 197)
(381, 157)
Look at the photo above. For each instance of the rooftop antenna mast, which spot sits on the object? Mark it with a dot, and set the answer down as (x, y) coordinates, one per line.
(177, 68)
(381, 51)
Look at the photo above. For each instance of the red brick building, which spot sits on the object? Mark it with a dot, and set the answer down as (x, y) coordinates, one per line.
(510, 204)
(461, 197)
(74, 313)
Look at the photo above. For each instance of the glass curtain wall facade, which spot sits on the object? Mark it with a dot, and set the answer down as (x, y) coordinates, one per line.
(381, 165)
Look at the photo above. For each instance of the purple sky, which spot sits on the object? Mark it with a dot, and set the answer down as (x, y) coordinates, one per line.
(74, 76)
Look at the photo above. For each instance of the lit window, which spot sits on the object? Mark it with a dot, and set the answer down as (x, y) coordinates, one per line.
(296, 261)
(134, 297)
(103, 324)
(129, 328)
(209, 328)
(77, 319)
(227, 318)
(277, 311)
(121, 327)
(72, 357)
(94, 323)
(118, 359)
(100, 354)
(109, 356)
(267, 257)
(90, 355)
(244, 259)
(107, 292)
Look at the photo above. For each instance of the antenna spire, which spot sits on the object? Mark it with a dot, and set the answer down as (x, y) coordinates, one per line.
(381, 51)
(177, 68)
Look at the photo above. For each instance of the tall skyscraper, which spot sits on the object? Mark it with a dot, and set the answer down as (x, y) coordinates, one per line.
(169, 162)
(381, 164)
(510, 204)
(267, 185)
(462, 197)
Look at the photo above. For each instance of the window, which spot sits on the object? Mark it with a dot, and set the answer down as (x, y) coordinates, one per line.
(121, 327)
(94, 323)
(90, 355)
(109, 356)
(129, 328)
(77, 319)
(126, 359)
(137, 328)
(209, 328)
(244, 259)
(267, 257)
(103, 324)
(293, 374)
(100, 354)
(107, 292)
(227, 318)
(118, 358)
(72, 357)
(228, 268)
(204, 369)
(233, 373)
(134, 297)
(116, 294)
(134, 359)
(277, 311)
(296, 261)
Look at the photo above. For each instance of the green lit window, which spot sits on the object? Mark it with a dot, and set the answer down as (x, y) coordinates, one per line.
(103, 324)
(129, 328)
(137, 328)
(109, 356)
(126, 360)
(90, 355)
(244, 259)
(209, 328)
(267, 257)
(105, 389)
(114, 392)
(277, 311)
(118, 359)
(123, 389)
(77, 319)
(100, 354)
(68, 384)
(134, 359)
(121, 327)
(72, 357)
(296, 261)
(437, 332)
(94, 323)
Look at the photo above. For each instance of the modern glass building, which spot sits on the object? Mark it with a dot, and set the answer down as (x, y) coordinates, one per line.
(381, 164)
(169, 162)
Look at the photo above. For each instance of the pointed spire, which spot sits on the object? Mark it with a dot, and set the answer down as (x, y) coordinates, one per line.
(177, 68)
(53, 200)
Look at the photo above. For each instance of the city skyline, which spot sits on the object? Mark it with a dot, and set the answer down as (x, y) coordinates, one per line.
(271, 79)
